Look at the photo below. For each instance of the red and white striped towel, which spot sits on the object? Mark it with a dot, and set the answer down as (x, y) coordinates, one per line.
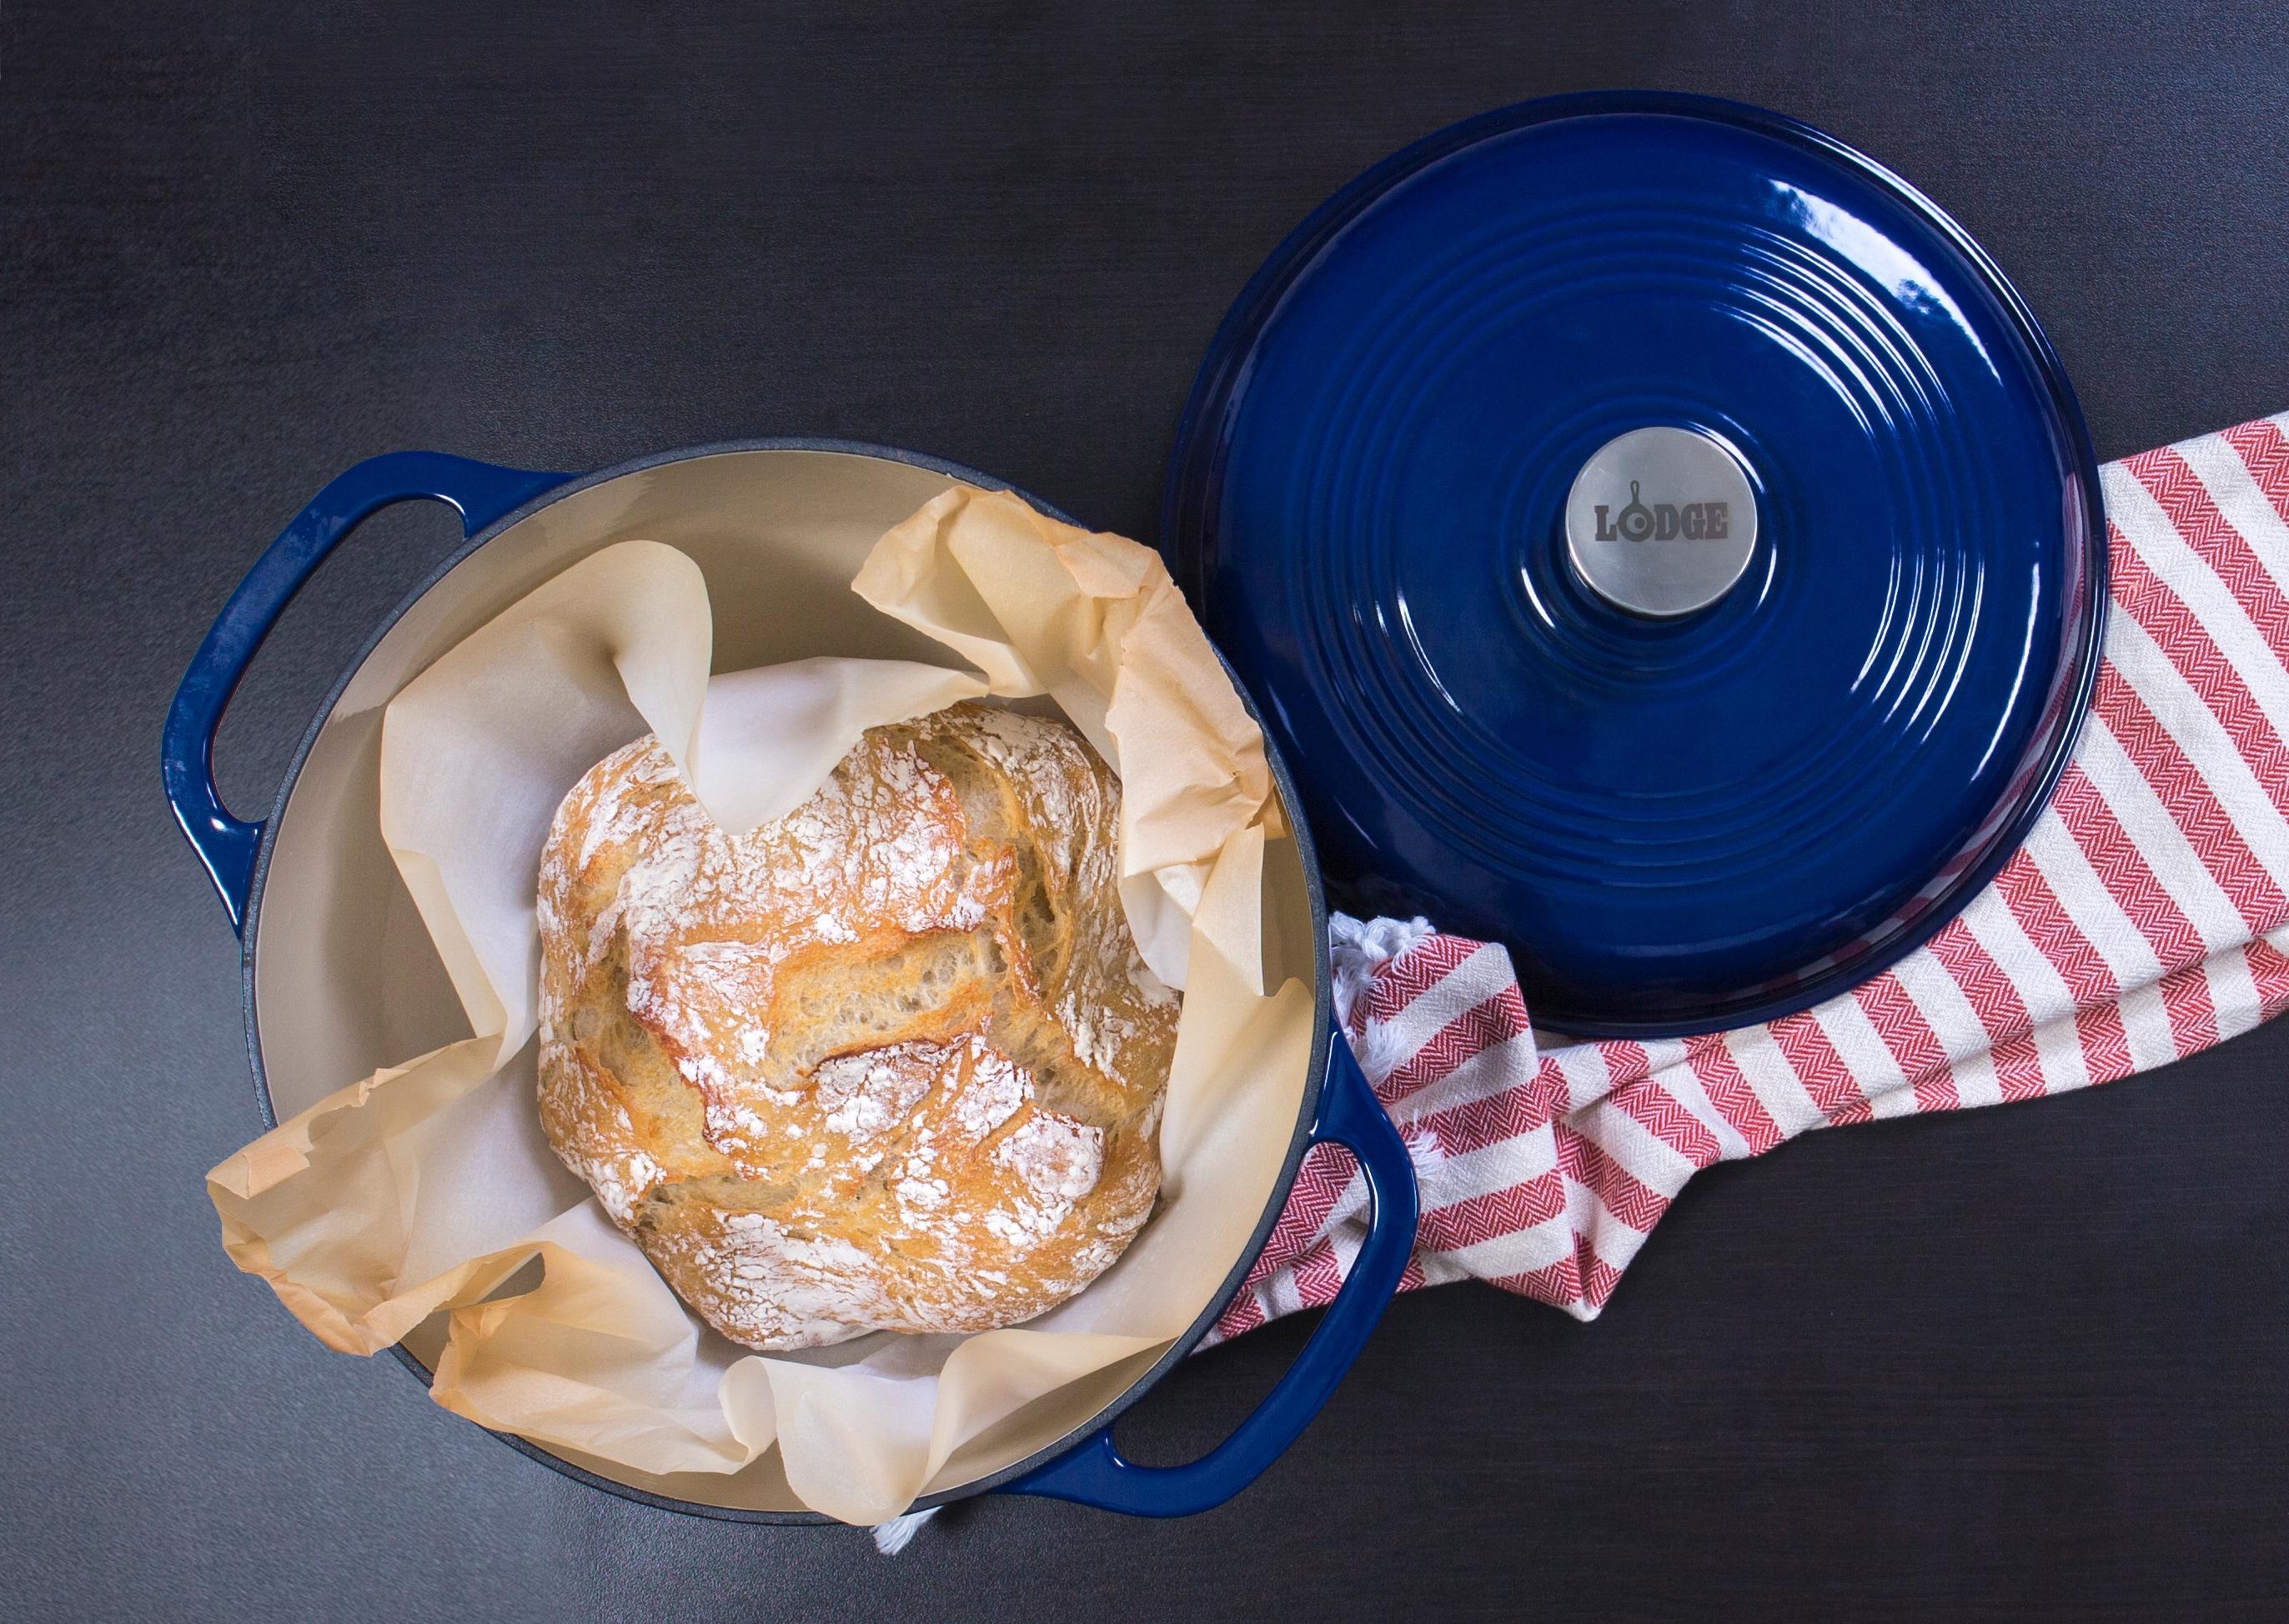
(2146, 916)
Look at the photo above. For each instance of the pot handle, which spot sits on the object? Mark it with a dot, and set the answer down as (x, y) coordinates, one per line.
(226, 845)
(1096, 1474)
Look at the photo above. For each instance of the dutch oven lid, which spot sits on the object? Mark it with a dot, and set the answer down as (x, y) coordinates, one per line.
(1660, 540)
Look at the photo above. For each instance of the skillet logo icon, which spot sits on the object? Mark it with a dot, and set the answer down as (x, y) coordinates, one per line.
(1664, 521)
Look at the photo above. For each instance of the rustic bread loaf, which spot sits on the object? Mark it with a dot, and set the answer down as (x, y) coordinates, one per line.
(891, 1062)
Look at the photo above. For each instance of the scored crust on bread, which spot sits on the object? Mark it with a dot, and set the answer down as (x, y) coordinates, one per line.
(890, 1061)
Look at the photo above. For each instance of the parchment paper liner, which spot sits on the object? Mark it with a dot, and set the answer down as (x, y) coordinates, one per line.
(427, 1188)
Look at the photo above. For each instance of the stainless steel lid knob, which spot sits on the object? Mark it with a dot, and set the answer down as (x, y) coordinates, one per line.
(1662, 520)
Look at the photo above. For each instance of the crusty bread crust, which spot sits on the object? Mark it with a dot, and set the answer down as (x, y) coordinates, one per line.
(891, 1062)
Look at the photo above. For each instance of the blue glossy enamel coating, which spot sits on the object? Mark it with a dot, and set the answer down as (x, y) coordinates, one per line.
(1345, 1110)
(1096, 1474)
(228, 845)
(1676, 824)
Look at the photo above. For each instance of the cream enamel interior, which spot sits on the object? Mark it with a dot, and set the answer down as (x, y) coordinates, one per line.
(346, 979)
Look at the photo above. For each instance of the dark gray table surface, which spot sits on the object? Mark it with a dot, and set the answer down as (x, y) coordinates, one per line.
(2024, 1362)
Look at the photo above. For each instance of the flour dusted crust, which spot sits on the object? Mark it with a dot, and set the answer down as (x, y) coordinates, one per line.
(891, 1062)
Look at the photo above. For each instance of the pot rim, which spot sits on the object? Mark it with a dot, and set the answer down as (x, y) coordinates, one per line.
(1322, 1025)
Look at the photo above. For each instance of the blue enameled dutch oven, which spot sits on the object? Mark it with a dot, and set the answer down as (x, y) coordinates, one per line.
(1661, 539)
(339, 980)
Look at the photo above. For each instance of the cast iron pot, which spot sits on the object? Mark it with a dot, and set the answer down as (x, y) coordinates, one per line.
(338, 978)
